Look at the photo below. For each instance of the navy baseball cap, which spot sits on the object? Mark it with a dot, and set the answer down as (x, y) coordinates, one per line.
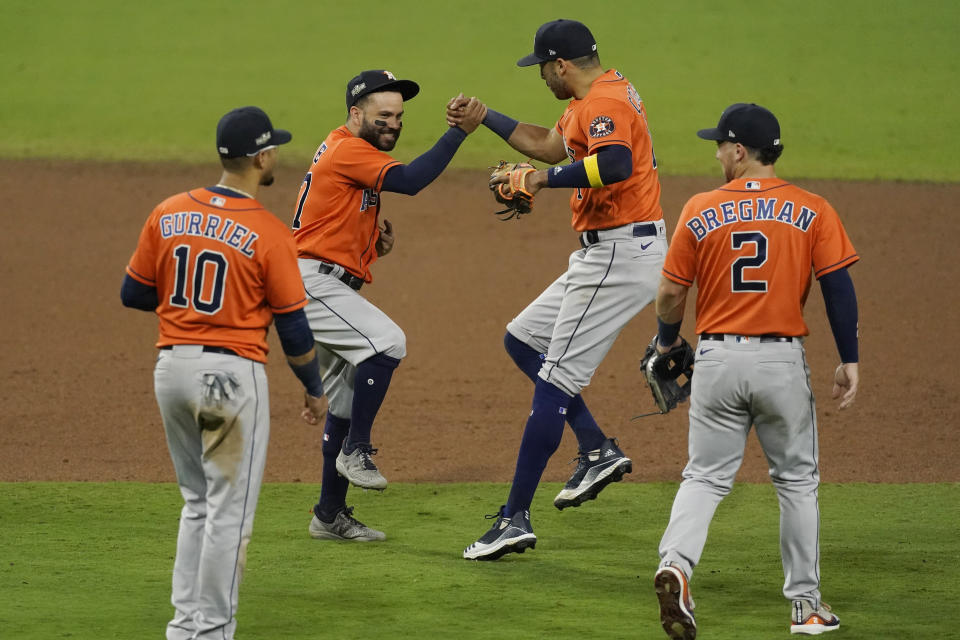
(749, 124)
(567, 39)
(376, 80)
(246, 131)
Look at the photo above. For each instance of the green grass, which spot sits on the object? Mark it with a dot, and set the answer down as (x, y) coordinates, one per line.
(91, 560)
(863, 88)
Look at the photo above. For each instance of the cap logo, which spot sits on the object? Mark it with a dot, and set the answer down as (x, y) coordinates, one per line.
(731, 134)
(593, 48)
(389, 75)
(223, 150)
(776, 141)
(357, 89)
(601, 126)
(551, 52)
(261, 139)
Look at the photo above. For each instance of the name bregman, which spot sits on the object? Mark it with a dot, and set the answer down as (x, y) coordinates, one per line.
(731, 211)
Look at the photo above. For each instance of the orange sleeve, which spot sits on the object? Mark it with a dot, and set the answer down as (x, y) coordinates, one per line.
(143, 263)
(680, 265)
(283, 284)
(832, 248)
(363, 163)
(606, 121)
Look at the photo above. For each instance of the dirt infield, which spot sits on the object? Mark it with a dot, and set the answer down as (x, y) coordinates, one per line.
(77, 399)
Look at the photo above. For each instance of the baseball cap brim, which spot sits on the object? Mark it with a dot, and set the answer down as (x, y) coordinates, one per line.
(711, 134)
(281, 136)
(530, 60)
(407, 88)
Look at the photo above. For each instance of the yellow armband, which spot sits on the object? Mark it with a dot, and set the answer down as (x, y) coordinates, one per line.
(593, 171)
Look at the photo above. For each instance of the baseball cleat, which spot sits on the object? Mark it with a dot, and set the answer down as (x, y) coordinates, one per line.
(595, 470)
(359, 469)
(812, 622)
(344, 527)
(507, 535)
(676, 603)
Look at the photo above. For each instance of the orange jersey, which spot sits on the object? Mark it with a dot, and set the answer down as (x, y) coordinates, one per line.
(751, 246)
(222, 266)
(612, 113)
(339, 203)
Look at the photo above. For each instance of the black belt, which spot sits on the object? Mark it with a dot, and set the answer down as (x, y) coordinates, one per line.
(210, 349)
(640, 230)
(346, 277)
(767, 338)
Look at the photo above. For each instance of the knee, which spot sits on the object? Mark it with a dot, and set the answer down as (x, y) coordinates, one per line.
(568, 381)
(395, 341)
(520, 351)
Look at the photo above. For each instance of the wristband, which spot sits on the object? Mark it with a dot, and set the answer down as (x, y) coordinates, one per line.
(667, 333)
(309, 375)
(500, 124)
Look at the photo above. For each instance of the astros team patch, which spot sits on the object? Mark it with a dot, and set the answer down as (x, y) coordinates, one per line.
(601, 126)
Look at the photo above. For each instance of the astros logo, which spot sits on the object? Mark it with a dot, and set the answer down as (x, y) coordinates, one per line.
(601, 126)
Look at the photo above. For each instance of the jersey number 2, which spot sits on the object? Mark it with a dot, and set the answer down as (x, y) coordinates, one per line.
(737, 239)
(207, 295)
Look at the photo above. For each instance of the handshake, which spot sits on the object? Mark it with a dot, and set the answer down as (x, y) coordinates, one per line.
(466, 113)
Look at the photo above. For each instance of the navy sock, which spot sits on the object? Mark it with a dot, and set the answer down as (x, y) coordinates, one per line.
(369, 389)
(588, 432)
(541, 437)
(333, 490)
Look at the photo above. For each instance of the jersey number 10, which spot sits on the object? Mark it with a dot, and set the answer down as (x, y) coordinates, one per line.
(208, 273)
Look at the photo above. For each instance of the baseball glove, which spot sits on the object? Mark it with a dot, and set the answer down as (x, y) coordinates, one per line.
(513, 194)
(663, 371)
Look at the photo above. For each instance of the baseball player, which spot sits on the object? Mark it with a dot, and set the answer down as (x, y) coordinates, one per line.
(560, 339)
(339, 236)
(751, 247)
(217, 267)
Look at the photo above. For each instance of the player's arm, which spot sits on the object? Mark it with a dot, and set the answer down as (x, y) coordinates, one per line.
(840, 300)
(671, 302)
(137, 295)
(532, 140)
(296, 340)
(424, 169)
(610, 164)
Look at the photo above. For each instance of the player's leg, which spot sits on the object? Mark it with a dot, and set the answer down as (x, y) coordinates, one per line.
(338, 377)
(372, 381)
(606, 286)
(332, 519)
(588, 433)
(786, 425)
(526, 342)
(235, 437)
(512, 531)
(183, 441)
(348, 325)
(719, 424)
(720, 420)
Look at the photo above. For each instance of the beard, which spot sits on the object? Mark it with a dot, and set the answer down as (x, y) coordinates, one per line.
(557, 86)
(379, 136)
